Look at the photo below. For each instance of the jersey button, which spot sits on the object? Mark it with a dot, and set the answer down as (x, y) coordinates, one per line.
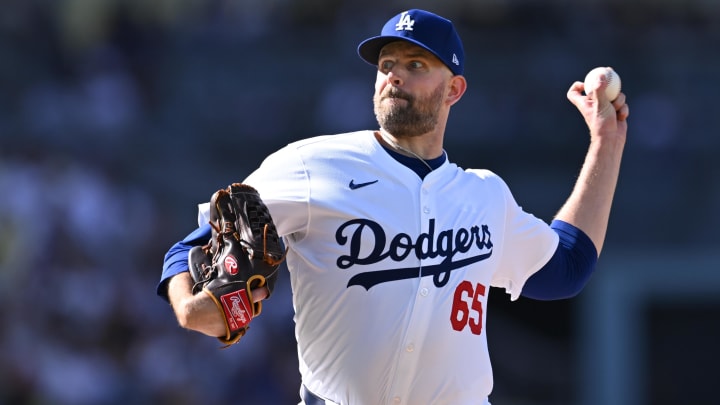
(424, 292)
(426, 210)
(396, 400)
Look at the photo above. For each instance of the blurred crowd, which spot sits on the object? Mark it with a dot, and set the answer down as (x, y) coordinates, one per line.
(117, 117)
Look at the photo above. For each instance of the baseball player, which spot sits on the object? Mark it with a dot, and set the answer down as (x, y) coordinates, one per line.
(392, 249)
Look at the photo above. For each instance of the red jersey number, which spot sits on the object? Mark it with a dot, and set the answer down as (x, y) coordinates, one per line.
(467, 307)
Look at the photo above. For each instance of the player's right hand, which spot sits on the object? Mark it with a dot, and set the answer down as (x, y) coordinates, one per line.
(260, 294)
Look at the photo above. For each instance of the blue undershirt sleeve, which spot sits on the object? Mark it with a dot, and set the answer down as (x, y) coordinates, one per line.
(176, 259)
(569, 269)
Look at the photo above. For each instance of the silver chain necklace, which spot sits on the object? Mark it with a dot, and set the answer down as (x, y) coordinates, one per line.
(396, 146)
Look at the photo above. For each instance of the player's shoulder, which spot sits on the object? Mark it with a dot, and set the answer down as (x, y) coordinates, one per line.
(484, 178)
(481, 175)
(298, 153)
(320, 147)
(332, 141)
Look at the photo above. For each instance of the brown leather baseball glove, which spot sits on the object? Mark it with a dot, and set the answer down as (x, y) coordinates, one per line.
(243, 254)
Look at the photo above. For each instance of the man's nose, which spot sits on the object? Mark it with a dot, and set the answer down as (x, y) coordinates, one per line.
(393, 78)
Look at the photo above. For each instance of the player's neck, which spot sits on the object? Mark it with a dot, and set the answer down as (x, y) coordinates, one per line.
(424, 147)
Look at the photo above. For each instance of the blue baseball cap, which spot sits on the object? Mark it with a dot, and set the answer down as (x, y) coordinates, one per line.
(423, 28)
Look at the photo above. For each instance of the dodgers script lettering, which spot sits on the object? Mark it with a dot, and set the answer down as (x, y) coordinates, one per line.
(445, 244)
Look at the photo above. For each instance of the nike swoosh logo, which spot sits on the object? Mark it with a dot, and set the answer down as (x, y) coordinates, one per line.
(354, 186)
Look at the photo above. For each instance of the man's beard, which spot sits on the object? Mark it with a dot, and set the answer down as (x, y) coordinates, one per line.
(417, 117)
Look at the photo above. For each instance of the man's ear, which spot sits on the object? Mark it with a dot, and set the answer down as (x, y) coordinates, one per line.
(458, 85)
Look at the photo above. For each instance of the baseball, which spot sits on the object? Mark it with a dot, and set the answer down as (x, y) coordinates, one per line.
(592, 81)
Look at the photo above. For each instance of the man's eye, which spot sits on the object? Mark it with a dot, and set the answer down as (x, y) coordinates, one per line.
(416, 65)
(386, 65)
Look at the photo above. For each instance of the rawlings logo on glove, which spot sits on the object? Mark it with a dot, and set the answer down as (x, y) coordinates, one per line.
(242, 255)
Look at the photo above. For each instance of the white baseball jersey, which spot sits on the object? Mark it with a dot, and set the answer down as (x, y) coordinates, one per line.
(391, 273)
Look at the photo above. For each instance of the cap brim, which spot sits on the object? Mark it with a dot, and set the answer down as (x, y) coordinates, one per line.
(369, 49)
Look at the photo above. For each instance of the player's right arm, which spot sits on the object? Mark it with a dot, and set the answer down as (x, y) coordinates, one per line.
(282, 181)
(196, 312)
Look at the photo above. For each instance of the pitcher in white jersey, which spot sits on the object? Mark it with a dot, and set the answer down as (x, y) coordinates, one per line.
(393, 249)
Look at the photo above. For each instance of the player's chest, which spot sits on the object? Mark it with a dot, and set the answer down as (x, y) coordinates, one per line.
(373, 219)
(400, 204)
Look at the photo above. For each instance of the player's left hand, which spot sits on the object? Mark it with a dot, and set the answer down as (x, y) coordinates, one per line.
(604, 118)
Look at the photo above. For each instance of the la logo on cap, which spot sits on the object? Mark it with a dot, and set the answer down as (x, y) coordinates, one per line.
(405, 23)
(435, 34)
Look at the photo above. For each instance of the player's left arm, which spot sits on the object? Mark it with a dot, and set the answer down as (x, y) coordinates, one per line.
(588, 206)
(569, 268)
(582, 221)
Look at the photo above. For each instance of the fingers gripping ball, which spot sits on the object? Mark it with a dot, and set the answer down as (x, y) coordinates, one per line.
(592, 82)
(243, 254)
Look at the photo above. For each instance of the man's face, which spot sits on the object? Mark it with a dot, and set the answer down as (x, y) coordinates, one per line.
(410, 89)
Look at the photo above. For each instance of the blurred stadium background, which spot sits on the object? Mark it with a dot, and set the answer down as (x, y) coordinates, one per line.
(115, 113)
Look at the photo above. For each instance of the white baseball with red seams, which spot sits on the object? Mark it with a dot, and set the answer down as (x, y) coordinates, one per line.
(592, 81)
(391, 273)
